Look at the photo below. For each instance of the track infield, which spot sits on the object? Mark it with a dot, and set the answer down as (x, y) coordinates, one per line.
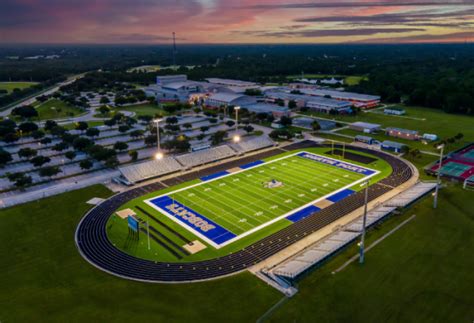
(227, 206)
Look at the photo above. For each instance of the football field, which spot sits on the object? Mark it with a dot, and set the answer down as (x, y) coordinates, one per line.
(232, 204)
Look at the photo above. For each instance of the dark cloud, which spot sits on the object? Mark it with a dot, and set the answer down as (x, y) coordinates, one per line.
(452, 37)
(330, 32)
(347, 4)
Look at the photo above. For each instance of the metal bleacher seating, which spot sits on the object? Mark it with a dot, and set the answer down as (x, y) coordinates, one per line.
(149, 169)
(205, 156)
(252, 144)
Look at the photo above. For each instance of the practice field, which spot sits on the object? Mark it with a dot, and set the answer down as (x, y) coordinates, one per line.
(10, 86)
(230, 205)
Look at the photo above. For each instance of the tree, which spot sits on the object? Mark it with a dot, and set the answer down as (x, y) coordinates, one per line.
(110, 122)
(25, 112)
(50, 124)
(49, 171)
(248, 129)
(136, 133)
(150, 140)
(285, 121)
(171, 120)
(262, 116)
(5, 157)
(280, 134)
(39, 161)
(187, 125)
(120, 145)
(204, 129)
(230, 123)
(10, 137)
(58, 131)
(112, 162)
(46, 141)
(292, 104)
(27, 127)
(60, 146)
(315, 125)
(133, 155)
(86, 164)
(20, 180)
(37, 134)
(92, 132)
(218, 137)
(201, 136)
(213, 120)
(27, 153)
(104, 100)
(123, 128)
(70, 155)
(82, 143)
(81, 126)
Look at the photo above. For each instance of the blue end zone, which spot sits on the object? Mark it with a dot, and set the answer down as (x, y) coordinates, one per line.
(337, 163)
(340, 195)
(194, 220)
(252, 164)
(301, 214)
(212, 176)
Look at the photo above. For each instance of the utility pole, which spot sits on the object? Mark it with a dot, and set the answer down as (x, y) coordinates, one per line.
(174, 48)
(364, 222)
(236, 135)
(159, 154)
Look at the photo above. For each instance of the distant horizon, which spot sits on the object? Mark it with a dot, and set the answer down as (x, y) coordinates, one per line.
(151, 22)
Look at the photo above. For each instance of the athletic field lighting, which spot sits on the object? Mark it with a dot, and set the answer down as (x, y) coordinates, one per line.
(364, 221)
(236, 119)
(159, 154)
(438, 177)
(236, 138)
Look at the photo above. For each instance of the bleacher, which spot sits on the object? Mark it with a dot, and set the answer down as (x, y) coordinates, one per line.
(205, 156)
(145, 170)
(252, 144)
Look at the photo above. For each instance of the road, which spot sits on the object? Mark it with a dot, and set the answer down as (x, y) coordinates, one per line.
(31, 100)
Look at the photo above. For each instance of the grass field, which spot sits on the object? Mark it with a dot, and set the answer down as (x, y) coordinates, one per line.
(56, 109)
(348, 80)
(9, 86)
(422, 273)
(427, 121)
(143, 109)
(252, 206)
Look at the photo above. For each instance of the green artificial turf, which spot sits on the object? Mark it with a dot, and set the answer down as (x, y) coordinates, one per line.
(44, 279)
(244, 204)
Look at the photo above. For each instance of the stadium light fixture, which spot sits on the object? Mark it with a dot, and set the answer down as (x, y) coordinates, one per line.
(438, 177)
(236, 109)
(236, 138)
(159, 154)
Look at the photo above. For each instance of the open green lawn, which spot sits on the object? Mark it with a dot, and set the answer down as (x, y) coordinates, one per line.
(348, 80)
(241, 205)
(144, 109)
(9, 86)
(422, 273)
(44, 279)
(56, 109)
(425, 121)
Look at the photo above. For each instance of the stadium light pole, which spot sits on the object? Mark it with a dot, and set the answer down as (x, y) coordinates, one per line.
(438, 177)
(364, 221)
(159, 154)
(236, 136)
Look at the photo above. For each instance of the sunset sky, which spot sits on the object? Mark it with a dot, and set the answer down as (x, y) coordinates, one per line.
(235, 21)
